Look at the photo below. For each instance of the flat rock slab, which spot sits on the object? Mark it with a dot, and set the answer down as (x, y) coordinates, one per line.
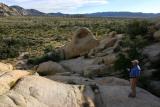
(117, 96)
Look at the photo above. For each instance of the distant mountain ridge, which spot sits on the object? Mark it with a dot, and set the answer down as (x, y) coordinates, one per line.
(8, 11)
(20, 11)
(28, 12)
(124, 14)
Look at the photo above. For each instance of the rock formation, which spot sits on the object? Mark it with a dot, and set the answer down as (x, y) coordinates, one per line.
(157, 35)
(8, 11)
(82, 42)
(5, 67)
(21, 89)
(50, 68)
(79, 80)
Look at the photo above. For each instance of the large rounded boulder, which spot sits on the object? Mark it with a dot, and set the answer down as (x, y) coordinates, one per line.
(49, 68)
(35, 91)
(82, 42)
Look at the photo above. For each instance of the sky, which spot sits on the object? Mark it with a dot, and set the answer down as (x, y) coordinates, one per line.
(88, 6)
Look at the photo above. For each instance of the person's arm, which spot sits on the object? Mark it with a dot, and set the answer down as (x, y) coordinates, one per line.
(139, 68)
(128, 69)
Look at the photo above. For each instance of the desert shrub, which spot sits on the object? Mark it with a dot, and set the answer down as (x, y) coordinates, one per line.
(124, 58)
(48, 48)
(8, 52)
(9, 47)
(137, 27)
(121, 65)
(34, 33)
(52, 55)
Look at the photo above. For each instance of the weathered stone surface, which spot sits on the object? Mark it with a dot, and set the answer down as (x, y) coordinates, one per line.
(8, 79)
(82, 42)
(152, 52)
(107, 46)
(148, 73)
(109, 59)
(155, 86)
(8, 11)
(112, 92)
(5, 67)
(89, 67)
(50, 68)
(95, 70)
(76, 65)
(35, 91)
(117, 96)
(79, 80)
(111, 81)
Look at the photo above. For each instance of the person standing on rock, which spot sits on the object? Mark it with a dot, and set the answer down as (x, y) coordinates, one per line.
(134, 75)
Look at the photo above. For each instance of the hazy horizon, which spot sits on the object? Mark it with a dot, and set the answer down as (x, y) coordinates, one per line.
(88, 6)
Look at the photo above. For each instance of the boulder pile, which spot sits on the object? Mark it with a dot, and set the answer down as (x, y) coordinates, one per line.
(23, 89)
(78, 81)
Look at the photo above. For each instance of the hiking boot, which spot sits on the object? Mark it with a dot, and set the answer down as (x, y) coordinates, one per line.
(131, 96)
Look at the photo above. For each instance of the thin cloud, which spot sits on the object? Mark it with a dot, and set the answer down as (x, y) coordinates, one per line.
(65, 6)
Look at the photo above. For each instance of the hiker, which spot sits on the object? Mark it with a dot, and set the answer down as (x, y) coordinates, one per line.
(134, 75)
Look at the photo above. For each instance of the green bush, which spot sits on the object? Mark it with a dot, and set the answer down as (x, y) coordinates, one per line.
(124, 58)
(32, 34)
(48, 48)
(53, 56)
(121, 65)
(137, 27)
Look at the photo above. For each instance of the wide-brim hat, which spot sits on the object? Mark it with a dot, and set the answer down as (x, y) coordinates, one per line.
(135, 61)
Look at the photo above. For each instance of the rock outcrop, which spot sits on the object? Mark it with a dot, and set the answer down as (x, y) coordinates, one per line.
(5, 67)
(50, 68)
(117, 96)
(107, 46)
(152, 67)
(8, 79)
(152, 52)
(21, 89)
(157, 35)
(82, 42)
(76, 65)
(112, 92)
(85, 67)
(99, 59)
(18, 11)
(8, 11)
(35, 91)
(155, 86)
(78, 81)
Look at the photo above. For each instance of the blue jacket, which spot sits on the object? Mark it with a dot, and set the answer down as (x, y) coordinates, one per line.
(135, 71)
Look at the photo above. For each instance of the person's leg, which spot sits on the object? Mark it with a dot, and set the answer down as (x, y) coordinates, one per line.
(131, 85)
(134, 85)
